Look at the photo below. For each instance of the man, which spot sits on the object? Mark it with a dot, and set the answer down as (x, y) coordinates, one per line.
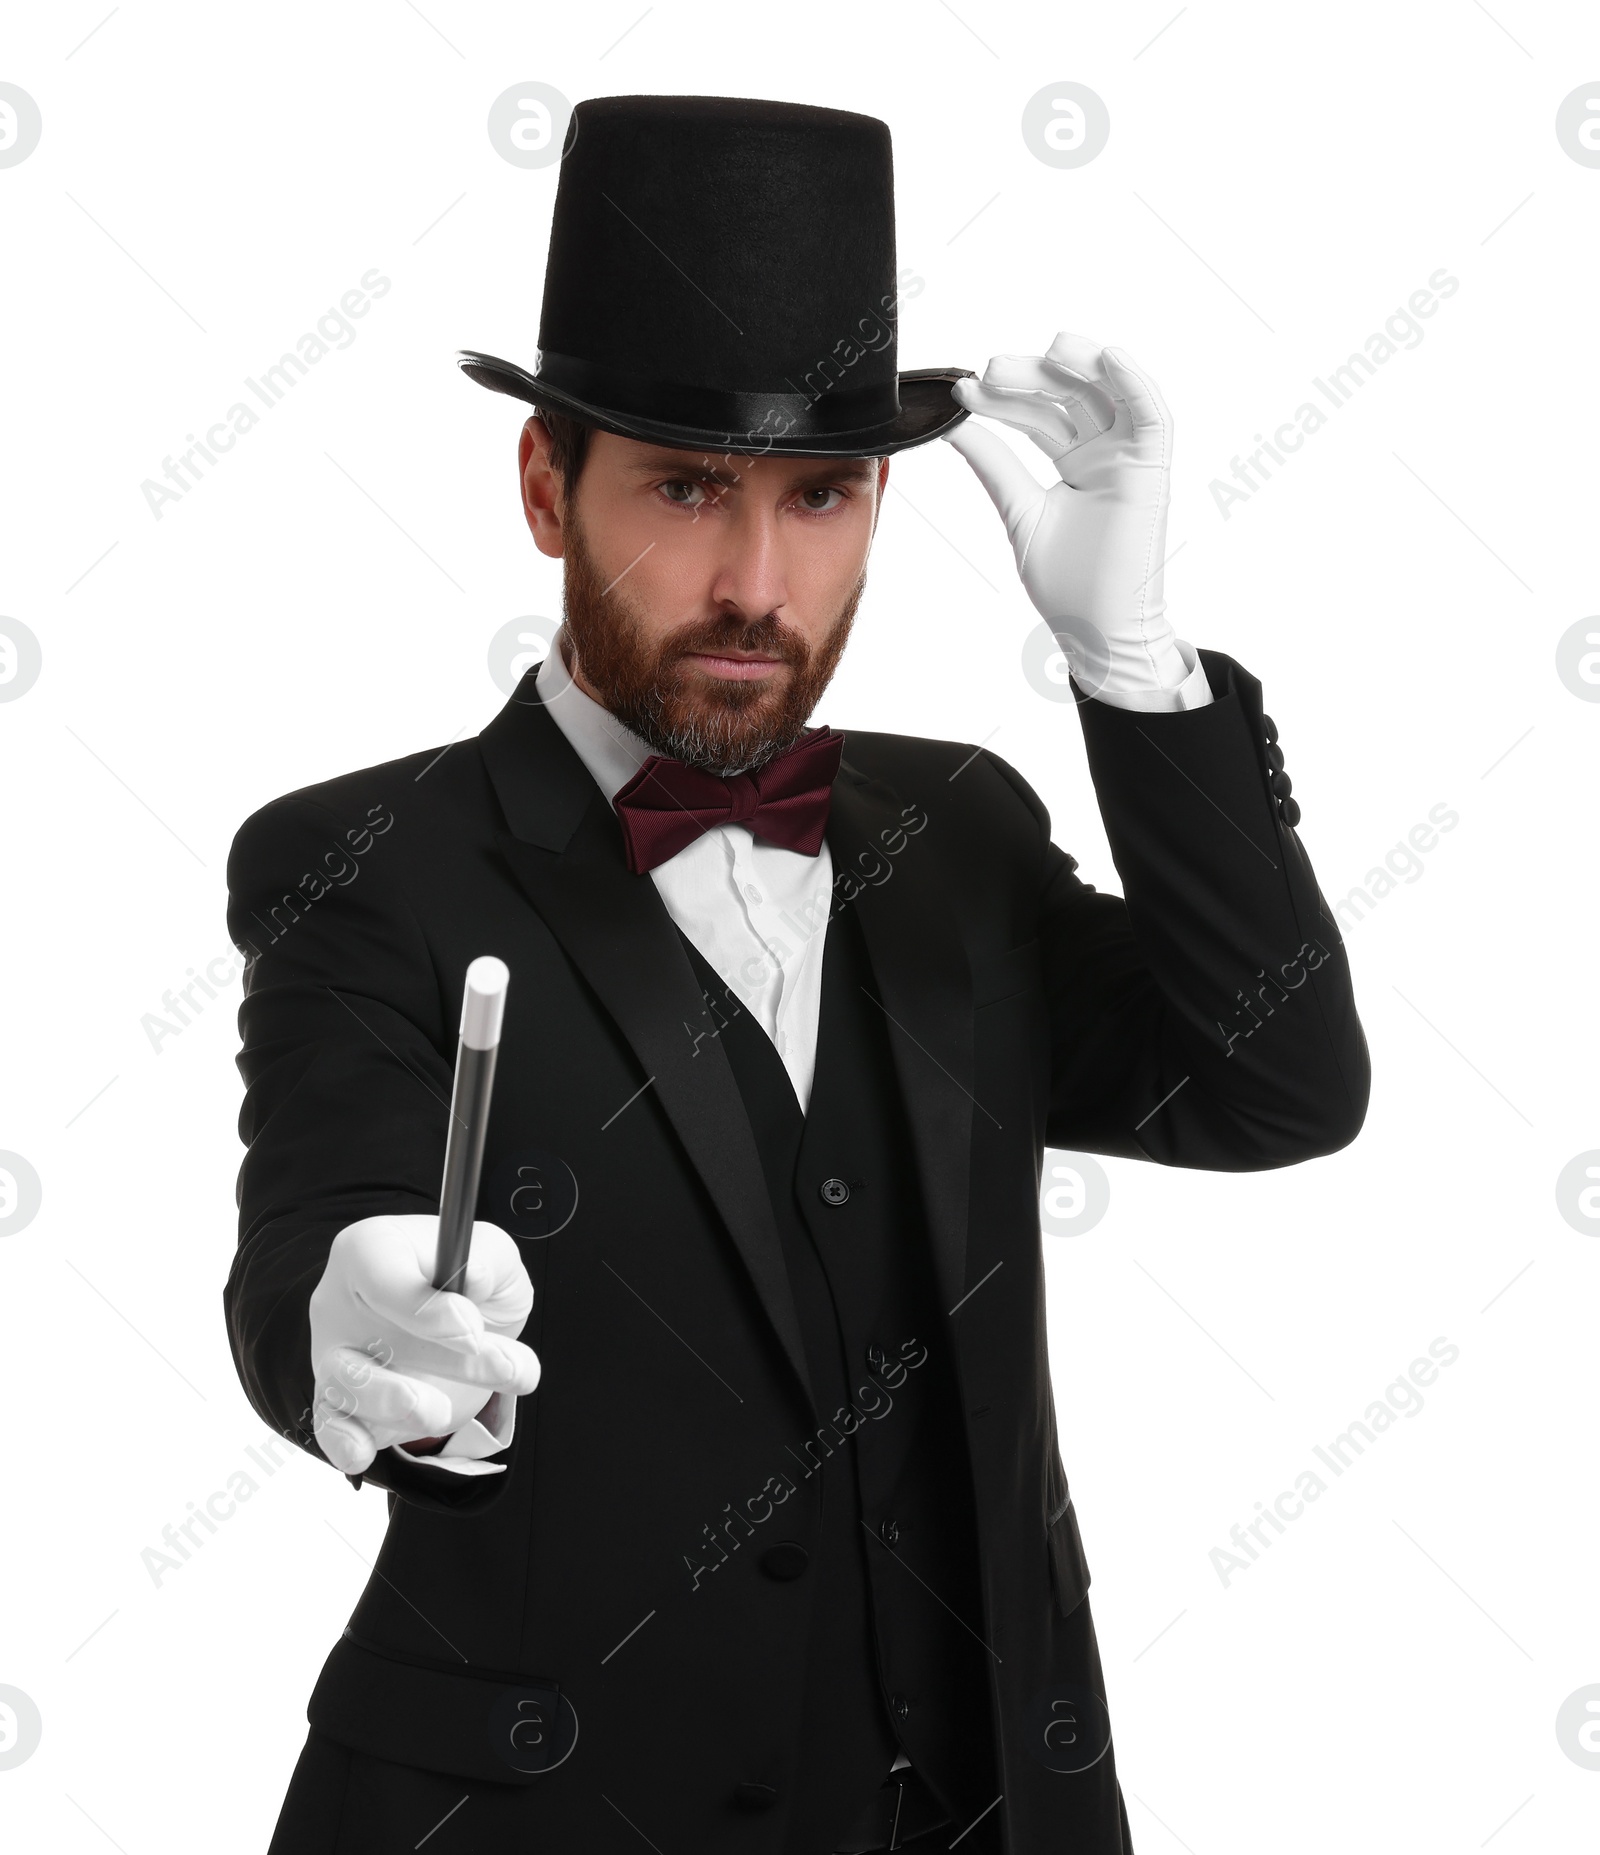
(780, 1556)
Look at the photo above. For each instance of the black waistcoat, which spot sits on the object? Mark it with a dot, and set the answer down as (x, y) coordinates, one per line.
(895, 1659)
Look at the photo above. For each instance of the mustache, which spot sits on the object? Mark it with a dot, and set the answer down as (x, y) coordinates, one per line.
(768, 635)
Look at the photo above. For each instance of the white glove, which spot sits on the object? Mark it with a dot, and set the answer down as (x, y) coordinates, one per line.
(397, 1360)
(1090, 547)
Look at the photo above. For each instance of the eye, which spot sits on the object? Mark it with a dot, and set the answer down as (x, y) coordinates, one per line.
(683, 493)
(813, 507)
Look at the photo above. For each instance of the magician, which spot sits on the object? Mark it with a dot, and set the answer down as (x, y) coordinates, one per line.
(780, 1557)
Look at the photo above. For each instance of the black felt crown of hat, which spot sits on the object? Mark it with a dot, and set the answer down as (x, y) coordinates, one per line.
(722, 276)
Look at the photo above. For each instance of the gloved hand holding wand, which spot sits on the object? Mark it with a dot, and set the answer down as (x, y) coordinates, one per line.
(414, 1323)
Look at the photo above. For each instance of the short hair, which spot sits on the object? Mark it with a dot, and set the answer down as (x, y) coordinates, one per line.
(569, 446)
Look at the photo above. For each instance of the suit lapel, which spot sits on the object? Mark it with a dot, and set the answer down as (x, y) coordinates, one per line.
(924, 989)
(565, 850)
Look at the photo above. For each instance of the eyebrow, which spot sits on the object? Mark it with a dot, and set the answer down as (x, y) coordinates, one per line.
(706, 469)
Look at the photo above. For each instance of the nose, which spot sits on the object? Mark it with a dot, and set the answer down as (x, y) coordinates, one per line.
(750, 577)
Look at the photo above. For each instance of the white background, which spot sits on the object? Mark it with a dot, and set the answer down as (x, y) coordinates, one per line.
(1277, 182)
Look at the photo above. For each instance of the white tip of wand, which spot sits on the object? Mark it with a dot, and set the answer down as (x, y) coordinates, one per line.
(483, 1004)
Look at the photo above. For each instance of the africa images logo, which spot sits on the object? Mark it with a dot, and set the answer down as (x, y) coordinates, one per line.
(335, 328)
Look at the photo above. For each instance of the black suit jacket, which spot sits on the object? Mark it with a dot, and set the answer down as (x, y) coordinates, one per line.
(1205, 1021)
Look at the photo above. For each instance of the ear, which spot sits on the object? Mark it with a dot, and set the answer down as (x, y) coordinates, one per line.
(542, 501)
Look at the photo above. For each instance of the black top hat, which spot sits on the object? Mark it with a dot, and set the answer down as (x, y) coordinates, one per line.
(722, 276)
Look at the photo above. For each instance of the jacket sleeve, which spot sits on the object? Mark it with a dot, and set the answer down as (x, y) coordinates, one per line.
(347, 1067)
(1206, 1018)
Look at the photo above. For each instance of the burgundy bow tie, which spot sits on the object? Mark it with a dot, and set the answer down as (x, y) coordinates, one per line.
(667, 805)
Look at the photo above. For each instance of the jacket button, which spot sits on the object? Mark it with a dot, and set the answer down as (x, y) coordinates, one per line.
(755, 1796)
(877, 1358)
(834, 1191)
(1289, 812)
(786, 1560)
(899, 1706)
(1269, 728)
(890, 1532)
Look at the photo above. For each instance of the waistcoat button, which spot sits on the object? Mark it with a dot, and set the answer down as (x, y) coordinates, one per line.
(899, 1706)
(786, 1560)
(890, 1532)
(834, 1191)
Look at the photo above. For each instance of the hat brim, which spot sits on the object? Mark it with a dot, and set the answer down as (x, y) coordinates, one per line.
(927, 411)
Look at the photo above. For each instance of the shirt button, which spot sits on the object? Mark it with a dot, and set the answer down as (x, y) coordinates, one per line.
(834, 1191)
(752, 893)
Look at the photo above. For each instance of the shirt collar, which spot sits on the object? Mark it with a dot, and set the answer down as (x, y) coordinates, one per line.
(611, 752)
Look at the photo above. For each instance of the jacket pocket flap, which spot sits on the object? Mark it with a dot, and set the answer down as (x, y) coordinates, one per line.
(500, 1729)
(1001, 975)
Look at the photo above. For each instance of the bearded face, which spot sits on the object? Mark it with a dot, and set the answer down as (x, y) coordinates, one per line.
(654, 686)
